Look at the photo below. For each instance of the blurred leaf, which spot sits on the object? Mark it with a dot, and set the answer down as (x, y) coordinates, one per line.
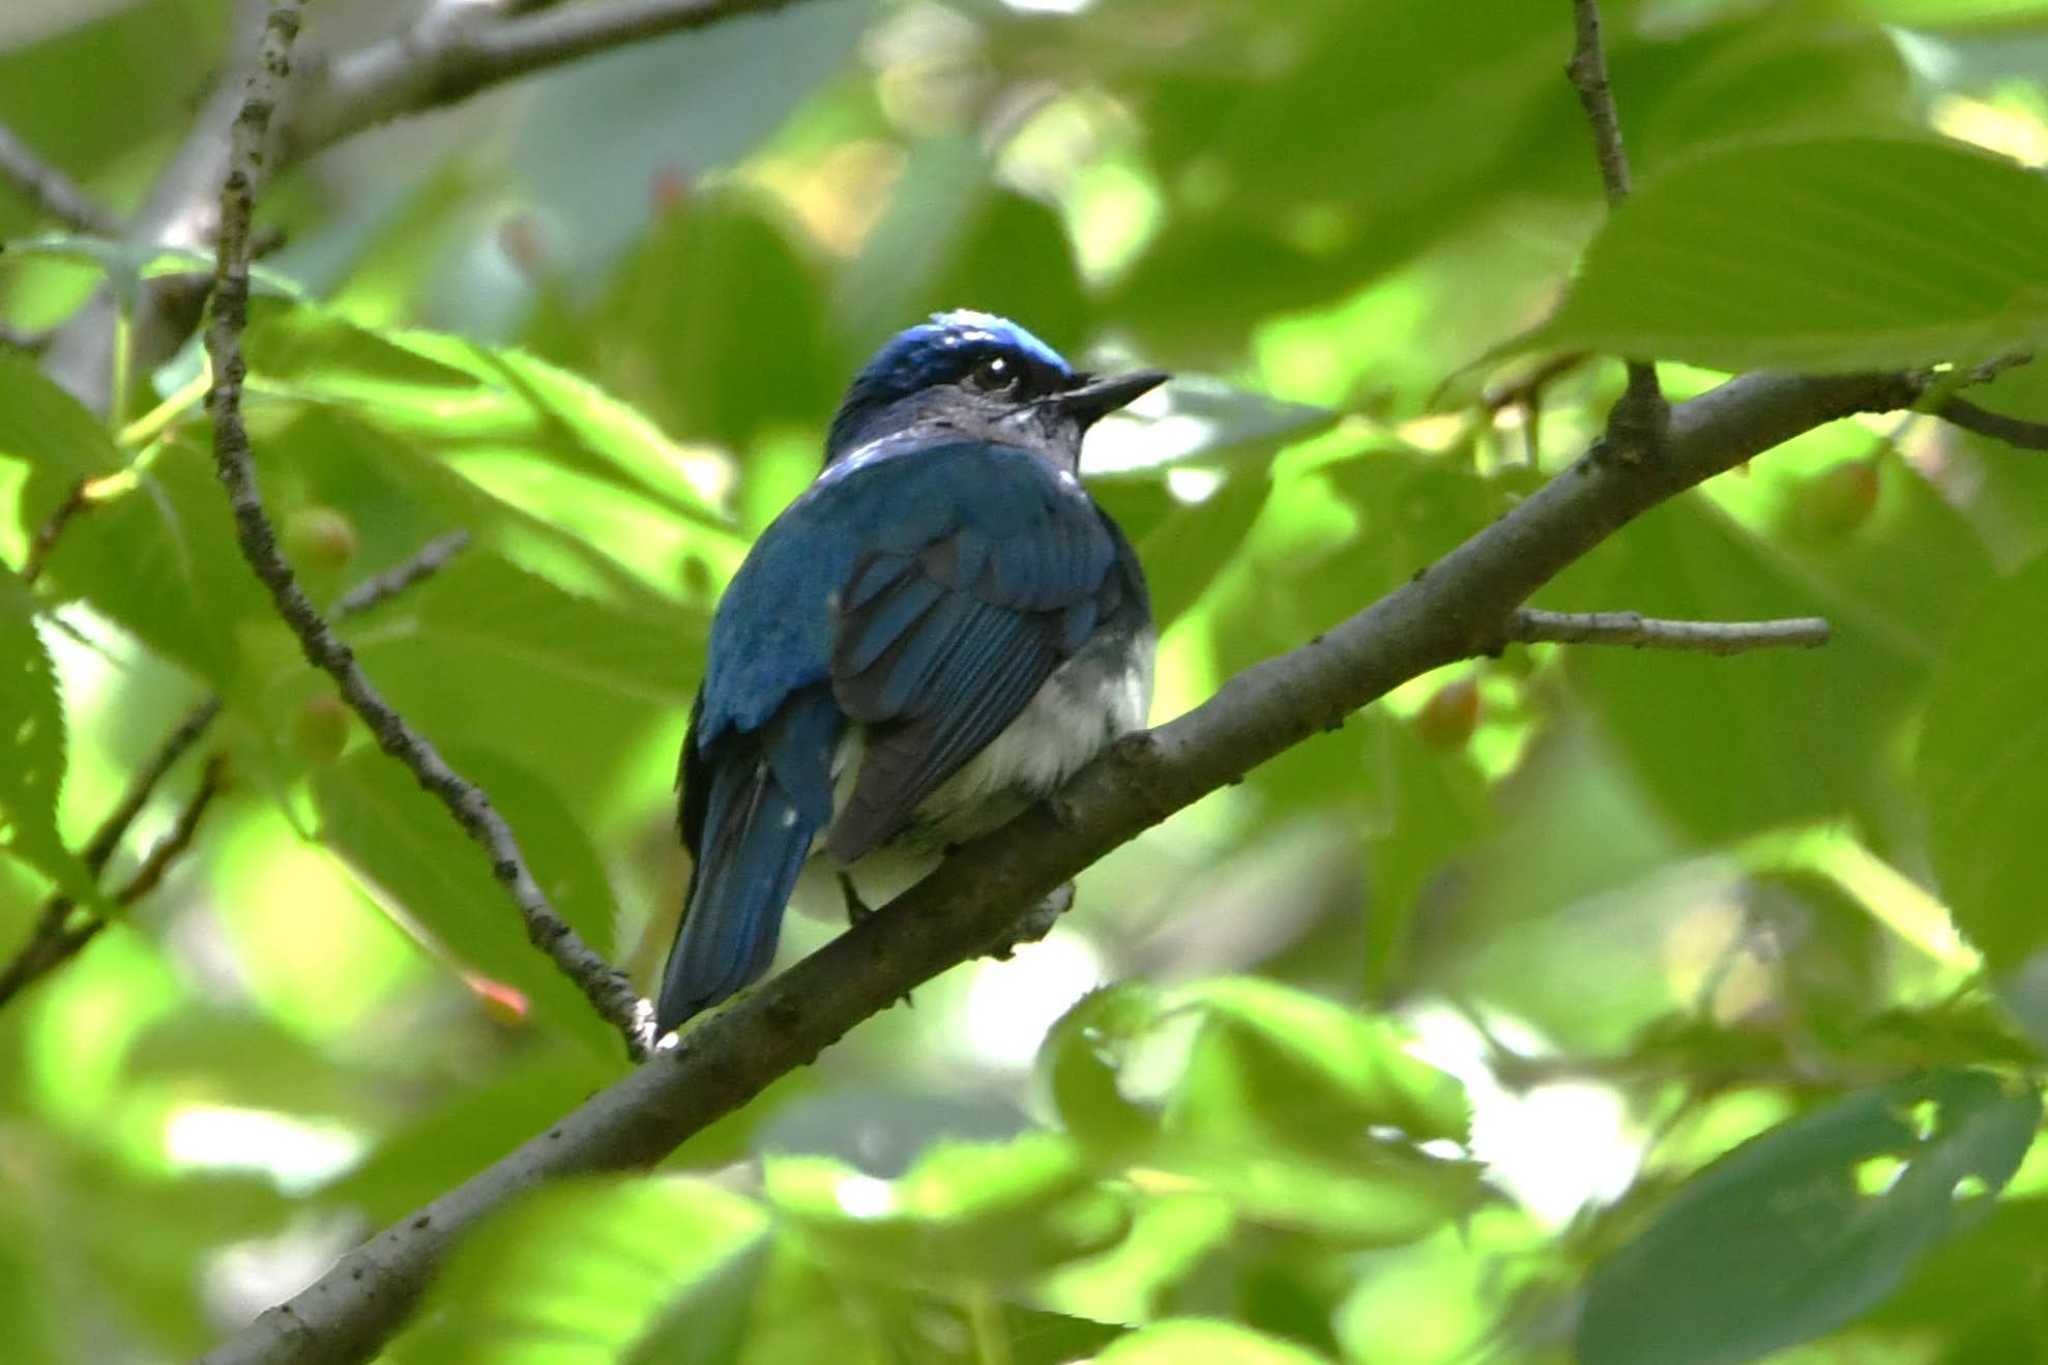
(1805, 728)
(583, 1270)
(976, 1210)
(1804, 1228)
(466, 1129)
(1195, 1341)
(1080, 1059)
(1334, 1062)
(952, 238)
(1960, 13)
(1795, 255)
(405, 842)
(717, 323)
(1983, 769)
(32, 745)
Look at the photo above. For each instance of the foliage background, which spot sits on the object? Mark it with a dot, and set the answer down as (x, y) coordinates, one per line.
(1427, 1031)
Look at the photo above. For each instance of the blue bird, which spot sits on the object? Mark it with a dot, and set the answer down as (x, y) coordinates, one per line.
(943, 628)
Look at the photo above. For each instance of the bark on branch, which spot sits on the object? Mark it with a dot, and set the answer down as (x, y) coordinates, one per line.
(1530, 626)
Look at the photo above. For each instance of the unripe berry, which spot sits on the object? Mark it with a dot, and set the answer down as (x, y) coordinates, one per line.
(319, 539)
(320, 728)
(1448, 718)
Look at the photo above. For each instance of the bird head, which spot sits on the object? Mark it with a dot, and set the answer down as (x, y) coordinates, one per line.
(978, 376)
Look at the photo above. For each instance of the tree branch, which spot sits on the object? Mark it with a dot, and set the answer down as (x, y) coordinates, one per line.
(450, 55)
(608, 989)
(1637, 424)
(2014, 431)
(973, 902)
(52, 191)
(1530, 626)
(45, 538)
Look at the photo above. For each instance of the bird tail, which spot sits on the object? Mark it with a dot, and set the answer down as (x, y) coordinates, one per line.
(754, 843)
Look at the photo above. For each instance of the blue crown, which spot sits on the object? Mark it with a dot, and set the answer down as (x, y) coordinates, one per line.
(937, 352)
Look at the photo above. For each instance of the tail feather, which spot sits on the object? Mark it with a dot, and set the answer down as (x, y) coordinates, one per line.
(754, 843)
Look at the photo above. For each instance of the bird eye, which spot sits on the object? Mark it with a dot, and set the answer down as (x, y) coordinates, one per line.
(994, 374)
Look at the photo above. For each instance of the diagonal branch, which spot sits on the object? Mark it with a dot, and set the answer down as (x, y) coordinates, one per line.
(608, 990)
(1637, 424)
(1454, 609)
(52, 191)
(1530, 626)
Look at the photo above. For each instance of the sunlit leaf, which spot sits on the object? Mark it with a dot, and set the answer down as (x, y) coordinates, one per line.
(987, 1211)
(1825, 254)
(31, 744)
(582, 1271)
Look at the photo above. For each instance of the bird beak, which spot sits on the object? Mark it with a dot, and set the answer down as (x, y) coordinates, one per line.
(1093, 397)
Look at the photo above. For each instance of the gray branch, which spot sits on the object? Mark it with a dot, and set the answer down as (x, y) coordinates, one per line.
(1637, 424)
(2014, 431)
(52, 191)
(1456, 608)
(608, 990)
(1530, 626)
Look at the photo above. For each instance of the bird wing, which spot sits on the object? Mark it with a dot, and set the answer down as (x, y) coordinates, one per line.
(941, 640)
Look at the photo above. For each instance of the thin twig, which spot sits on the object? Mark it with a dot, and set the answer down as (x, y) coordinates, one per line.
(2014, 431)
(56, 940)
(40, 952)
(608, 990)
(1530, 626)
(429, 560)
(1641, 418)
(45, 538)
(54, 192)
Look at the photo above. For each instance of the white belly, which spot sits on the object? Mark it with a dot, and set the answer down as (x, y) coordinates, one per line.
(1099, 695)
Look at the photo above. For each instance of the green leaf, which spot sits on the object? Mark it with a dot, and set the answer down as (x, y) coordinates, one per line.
(583, 1270)
(407, 845)
(160, 559)
(1202, 1341)
(984, 1211)
(1805, 728)
(32, 745)
(1983, 769)
(717, 323)
(1350, 1068)
(1810, 1225)
(1824, 254)
(1082, 1055)
(46, 426)
(459, 394)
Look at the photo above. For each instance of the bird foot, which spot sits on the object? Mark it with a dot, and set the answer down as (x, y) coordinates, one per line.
(1035, 923)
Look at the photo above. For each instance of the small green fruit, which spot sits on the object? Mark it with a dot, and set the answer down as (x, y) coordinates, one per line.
(320, 728)
(319, 539)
